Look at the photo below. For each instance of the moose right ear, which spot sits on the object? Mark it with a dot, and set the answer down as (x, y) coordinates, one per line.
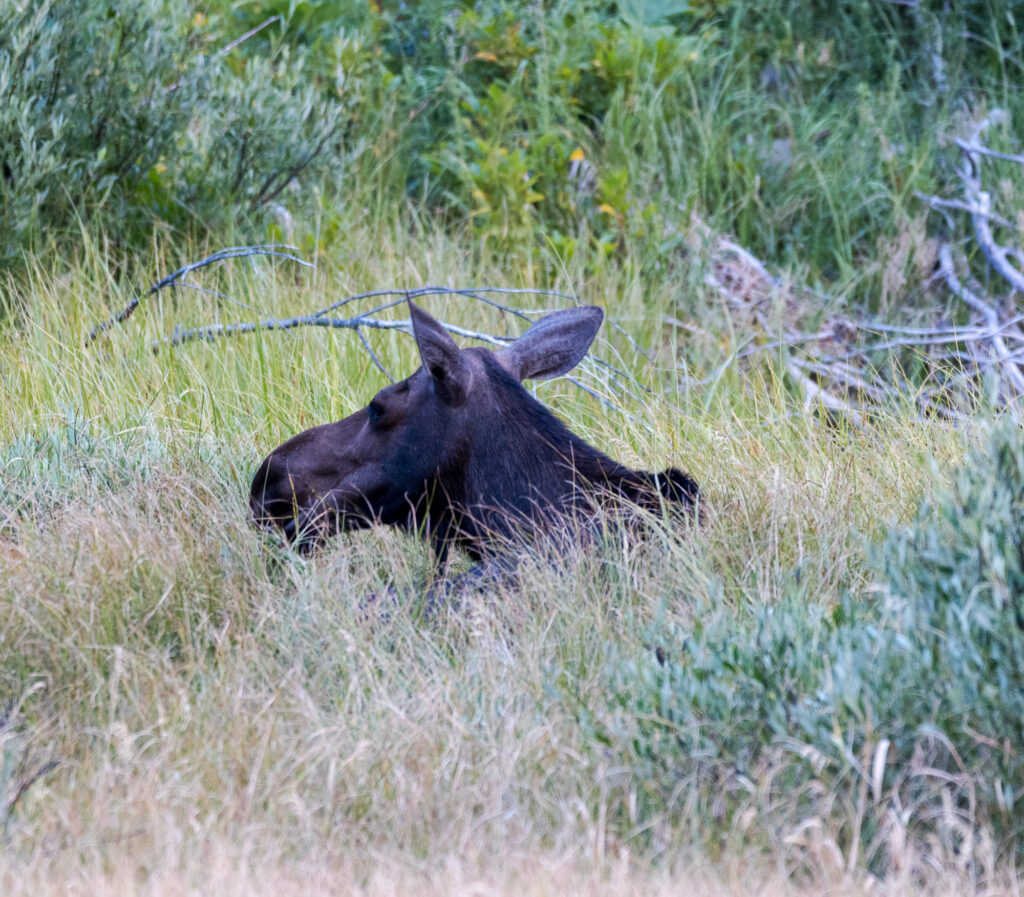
(441, 358)
(554, 345)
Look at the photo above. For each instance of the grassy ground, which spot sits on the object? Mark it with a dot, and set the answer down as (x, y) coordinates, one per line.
(187, 707)
(223, 719)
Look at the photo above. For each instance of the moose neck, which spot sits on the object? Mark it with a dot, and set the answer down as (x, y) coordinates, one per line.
(523, 468)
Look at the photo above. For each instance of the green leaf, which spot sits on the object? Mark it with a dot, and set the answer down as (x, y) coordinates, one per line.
(640, 13)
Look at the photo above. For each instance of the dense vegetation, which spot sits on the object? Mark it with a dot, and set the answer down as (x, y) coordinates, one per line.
(823, 685)
(542, 130)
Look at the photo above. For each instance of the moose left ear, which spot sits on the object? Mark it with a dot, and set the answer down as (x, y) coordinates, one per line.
(554, 345)
(441, 358)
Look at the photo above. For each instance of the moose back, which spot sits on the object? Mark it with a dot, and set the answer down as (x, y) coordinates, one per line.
(459, 452)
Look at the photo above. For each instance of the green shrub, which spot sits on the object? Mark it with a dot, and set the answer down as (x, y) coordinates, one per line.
(960, 570)
(124, 114)
(544, 130)
(803, 130)
(892, 723)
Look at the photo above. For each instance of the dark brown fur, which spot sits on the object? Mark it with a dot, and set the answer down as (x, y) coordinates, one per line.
(459, 452)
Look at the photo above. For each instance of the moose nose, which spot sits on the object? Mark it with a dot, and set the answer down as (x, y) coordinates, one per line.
(273, 512)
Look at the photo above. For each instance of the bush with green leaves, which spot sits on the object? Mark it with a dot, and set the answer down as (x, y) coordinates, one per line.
(960, 571)
(547, 129)
(891, 722)
(122, 115)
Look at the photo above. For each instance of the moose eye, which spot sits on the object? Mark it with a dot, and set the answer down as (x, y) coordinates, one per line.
(374, 412)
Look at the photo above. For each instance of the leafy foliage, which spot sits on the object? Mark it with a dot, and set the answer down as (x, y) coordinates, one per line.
(123, 115)
(893, 724)
(556, 131)
(960, 569)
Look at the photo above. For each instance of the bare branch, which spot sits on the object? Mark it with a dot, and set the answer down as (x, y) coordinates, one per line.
(973, 148)
(181, 336)
(470, 292)
(231, 252)
(227, 48)
(607, 402)
(980, 200)
(938, 203)
(373, 355)
(814, 393)
(1011, 370)
(998, 255)
(219, 295)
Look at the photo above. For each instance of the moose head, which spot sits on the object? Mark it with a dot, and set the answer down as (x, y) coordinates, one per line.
(459, 452)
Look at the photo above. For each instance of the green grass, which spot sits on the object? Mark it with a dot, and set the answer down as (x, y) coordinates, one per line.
(766, 703)
(214, 702)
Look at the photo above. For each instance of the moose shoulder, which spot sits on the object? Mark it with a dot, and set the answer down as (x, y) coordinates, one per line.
(459, 452)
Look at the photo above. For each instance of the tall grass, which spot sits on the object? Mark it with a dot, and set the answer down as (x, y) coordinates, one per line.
(186, 706)
(218, 706)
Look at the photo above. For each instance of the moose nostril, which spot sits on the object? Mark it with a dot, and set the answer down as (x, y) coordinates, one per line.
(273, 511)
(276, 514)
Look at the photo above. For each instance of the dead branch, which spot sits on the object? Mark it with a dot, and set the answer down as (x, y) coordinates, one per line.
(1011, 369)
(231, 252)
(938, 203)
(179, 336)
(998, 256)
(973, 148)
(981, 200)
(815, 393)
(614, 380)
(849, 366)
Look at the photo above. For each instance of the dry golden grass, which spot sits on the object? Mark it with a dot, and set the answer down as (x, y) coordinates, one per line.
(225, 720)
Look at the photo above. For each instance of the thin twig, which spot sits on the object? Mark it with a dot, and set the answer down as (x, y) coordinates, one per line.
(814, 393)
(470, 292)
(606, 402)
(223, 51)
(373, 355)
(219, 295)
(250, 33)
(231, 252)
(972, 147)
(938, 203)
(1011, 370)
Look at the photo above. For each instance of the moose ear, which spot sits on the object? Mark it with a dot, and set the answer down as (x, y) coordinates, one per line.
(441, 358)
(554, 345)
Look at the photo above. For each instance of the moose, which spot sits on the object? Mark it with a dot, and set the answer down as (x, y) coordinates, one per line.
(460, 453)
